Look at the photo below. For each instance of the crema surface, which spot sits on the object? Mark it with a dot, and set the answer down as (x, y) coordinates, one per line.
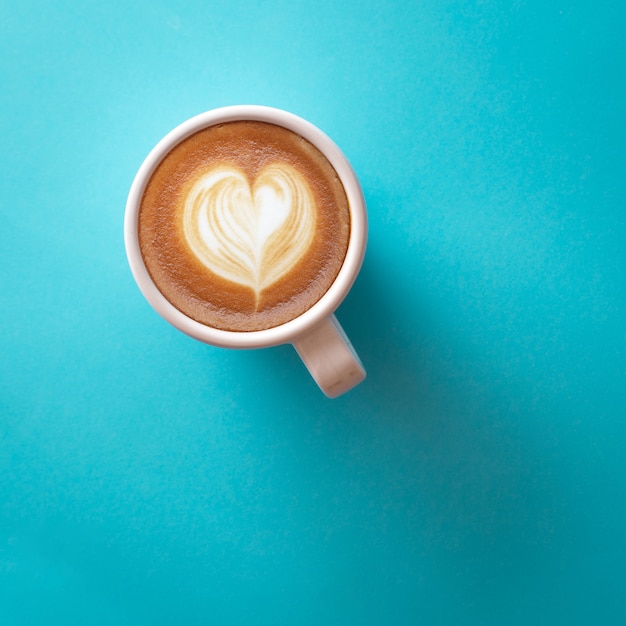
(244, 226)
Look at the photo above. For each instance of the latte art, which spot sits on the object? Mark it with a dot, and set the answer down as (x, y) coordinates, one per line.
(250, 235)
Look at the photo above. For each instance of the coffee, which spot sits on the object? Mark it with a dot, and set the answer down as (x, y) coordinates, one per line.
(244, 225)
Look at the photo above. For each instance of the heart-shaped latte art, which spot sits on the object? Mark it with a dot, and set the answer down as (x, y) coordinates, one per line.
(250, 235)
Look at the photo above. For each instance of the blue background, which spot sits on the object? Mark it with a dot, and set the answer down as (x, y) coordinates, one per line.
(476, 477)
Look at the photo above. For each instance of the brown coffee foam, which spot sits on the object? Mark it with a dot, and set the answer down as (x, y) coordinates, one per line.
(189, 285)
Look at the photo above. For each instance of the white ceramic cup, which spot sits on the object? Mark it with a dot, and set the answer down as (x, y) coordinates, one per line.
(316, 334)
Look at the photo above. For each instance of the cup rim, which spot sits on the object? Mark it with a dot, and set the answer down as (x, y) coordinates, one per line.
(325, 306)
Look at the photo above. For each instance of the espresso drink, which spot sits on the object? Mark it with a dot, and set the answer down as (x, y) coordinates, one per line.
(244, 225)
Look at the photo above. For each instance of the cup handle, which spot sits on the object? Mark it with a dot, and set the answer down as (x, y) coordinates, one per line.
(330, 358)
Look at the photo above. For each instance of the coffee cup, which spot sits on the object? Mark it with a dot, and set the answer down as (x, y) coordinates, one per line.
(245, 227)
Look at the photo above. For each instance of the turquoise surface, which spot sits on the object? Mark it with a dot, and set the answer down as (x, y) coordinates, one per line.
(476, 477)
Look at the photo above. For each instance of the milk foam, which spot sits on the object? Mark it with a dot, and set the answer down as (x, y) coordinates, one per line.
(251, 236)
